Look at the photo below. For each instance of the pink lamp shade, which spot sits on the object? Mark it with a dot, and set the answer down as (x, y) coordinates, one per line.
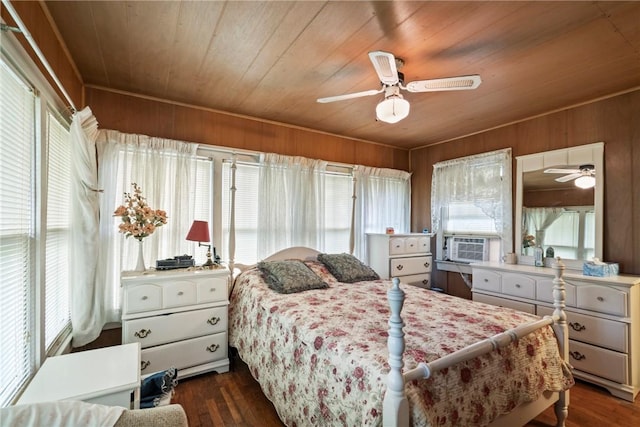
(199, 232)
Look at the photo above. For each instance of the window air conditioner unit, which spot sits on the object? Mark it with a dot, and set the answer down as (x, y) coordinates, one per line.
(469, 249)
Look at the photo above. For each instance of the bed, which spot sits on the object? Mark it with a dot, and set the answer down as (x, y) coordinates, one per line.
(377, 352)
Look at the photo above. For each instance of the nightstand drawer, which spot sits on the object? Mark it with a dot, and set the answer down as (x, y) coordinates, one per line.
(420, 280)
(144, 297)
(602, 299)
(519, 286)
(184, 354)
(396, 246)
(179, 293)
(150, 331)
(599, 361)
(212, 290)
(410, 265)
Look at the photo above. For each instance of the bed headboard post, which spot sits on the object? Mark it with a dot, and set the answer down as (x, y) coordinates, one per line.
(561, 407)
(354, 196)
(232, 216)
(395, 410)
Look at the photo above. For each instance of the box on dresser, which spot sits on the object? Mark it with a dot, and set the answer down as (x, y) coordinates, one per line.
(603, 314)
(180, 319)
(406, 256)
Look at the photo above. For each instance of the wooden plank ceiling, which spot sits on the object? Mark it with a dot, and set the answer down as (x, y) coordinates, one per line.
(273, 59)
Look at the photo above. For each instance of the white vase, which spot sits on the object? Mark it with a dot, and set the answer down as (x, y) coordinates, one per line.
(140, 265)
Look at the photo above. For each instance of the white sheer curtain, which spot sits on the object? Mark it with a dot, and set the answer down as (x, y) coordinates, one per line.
(290, 203)
(383, 199)
(538, 220)
(164, 170)
(87, 315)
(483, 180)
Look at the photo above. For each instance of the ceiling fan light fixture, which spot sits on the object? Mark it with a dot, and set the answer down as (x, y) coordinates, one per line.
(392, 109)
(585, 181)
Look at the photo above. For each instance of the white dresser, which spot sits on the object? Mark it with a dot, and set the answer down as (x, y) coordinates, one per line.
(180, 319)
(603, 315)
(405, 256)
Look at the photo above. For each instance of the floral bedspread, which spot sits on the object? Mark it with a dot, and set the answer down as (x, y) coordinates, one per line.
(321, 355)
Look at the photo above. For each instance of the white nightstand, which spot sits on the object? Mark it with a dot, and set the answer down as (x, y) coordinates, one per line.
(405, 256)
(179, 317)
(108, 376)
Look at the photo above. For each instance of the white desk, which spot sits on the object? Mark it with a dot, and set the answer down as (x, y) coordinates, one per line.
(106, 375)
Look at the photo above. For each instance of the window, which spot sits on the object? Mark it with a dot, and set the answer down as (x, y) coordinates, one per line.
(572, 234)
(34, 227)
(337, 210)
(17, 231)
(472, 196)
(57, 302)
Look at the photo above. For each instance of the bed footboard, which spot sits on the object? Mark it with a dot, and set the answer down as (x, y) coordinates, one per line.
(396, 406)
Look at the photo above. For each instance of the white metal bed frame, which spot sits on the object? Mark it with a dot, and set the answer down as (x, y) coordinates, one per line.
(395, 410)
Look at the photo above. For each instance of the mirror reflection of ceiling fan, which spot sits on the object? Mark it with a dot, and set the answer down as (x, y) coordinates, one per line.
(394, 107)
(585, 175)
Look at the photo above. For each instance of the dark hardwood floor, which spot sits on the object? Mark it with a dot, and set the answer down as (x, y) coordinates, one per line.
(235, 399)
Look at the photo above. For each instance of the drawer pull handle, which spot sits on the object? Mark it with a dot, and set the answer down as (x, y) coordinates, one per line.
(399, 267)
(426, 264)
(577, 355)
(518, 286)
(144, 298)
(144, 364)
(600, 299)
(212, 290)
(425, 282)
(213, 347)
(577, 326)
(213, 321)
(142, 333)
(180, 293)
(486, 280)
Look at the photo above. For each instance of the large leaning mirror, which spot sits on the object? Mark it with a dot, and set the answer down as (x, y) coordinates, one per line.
(559, 202)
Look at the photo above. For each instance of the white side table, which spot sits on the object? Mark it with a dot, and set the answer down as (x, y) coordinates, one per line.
(107, 376)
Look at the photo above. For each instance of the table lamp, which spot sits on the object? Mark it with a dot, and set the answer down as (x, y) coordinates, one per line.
(199, 232)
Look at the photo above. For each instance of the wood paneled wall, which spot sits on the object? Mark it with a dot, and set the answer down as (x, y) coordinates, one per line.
(35, 19)
(133, 114)
(615, 121)
(557, 198)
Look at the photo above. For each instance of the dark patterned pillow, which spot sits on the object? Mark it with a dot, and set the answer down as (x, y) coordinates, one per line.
(290, 276)
(347, 268)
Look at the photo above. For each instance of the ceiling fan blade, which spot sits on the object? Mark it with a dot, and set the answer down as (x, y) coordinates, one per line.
(447, 83)
(553, 170)
(568, 177)
(349, 96)
(385, 65)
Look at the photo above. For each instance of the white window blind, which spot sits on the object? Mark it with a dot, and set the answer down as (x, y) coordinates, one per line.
(467, 218)
(17, 249)
(201, 196)
(57, 315)
(338, 205)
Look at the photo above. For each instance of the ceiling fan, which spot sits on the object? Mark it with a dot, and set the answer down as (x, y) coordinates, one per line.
(394, 107)
(584, 175)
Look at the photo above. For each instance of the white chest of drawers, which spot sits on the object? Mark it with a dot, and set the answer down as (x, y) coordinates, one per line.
(406, 256)
(180, 319)
(603, 315)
